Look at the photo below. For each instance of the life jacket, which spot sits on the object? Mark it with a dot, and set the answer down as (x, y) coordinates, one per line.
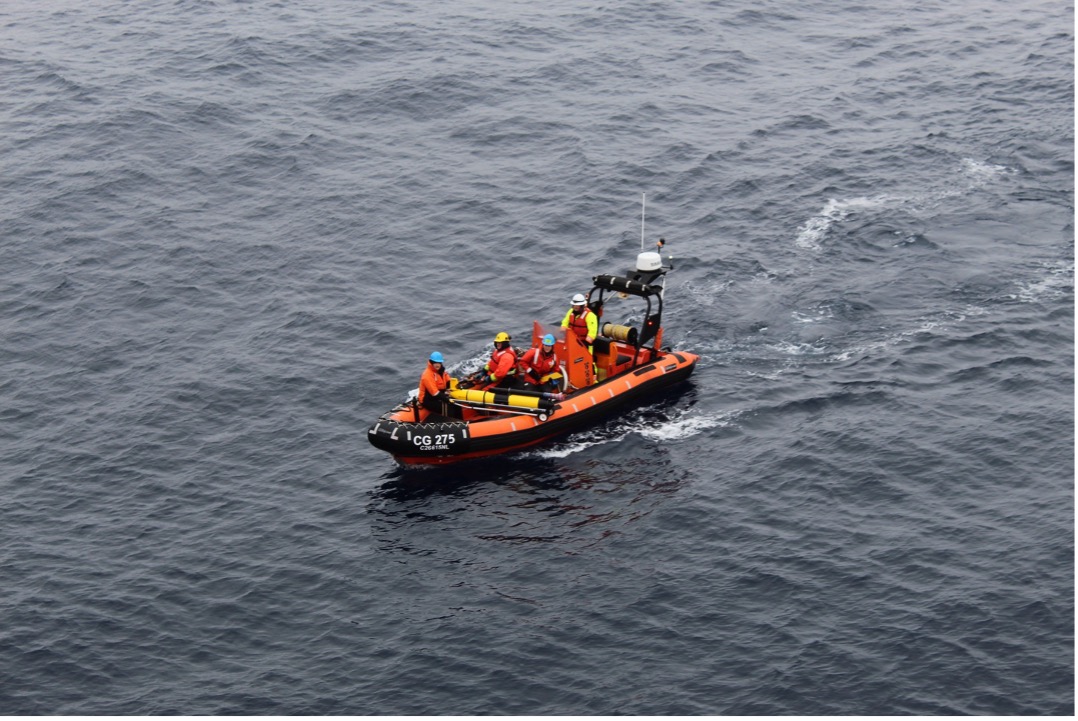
(579, 323)
(502, 363)
(535, 363)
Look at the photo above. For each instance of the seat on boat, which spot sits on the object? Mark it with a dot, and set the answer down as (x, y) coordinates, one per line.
(608, 357)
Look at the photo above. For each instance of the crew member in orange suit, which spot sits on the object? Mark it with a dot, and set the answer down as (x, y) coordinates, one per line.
(432, 387)
(501, 370)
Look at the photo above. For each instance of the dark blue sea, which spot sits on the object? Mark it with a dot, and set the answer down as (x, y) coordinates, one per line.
(232, 232)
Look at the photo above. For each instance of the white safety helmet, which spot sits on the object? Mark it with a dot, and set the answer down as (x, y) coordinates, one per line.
(579, 299)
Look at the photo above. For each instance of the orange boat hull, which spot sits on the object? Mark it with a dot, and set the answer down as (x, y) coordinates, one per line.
(448, 441)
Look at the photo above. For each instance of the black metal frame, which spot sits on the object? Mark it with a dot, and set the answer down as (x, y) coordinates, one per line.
(642, 285)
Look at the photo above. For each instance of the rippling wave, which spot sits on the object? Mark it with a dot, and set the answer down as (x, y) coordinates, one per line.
(233, 231)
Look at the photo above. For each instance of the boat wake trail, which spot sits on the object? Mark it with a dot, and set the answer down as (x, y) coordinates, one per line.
(686, 424)
(652, 424)
(972, 175)
(810, 236)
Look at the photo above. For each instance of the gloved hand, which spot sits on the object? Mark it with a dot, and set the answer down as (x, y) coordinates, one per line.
(493, 377)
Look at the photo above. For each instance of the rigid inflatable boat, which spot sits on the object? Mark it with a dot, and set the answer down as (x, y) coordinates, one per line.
(628, 363)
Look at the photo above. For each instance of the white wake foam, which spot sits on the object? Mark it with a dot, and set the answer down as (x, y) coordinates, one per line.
(683, 424)
(981, 173)
(687, 426)
(810, 236)
(972, 175)
(1058, 279)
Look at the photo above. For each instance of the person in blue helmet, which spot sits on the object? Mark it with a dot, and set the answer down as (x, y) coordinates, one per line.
(432, 386)
(538, 366)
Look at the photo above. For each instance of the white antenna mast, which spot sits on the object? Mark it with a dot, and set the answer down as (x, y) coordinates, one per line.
(643, 205)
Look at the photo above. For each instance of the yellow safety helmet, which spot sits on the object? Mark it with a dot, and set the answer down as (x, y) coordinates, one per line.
(502, 337)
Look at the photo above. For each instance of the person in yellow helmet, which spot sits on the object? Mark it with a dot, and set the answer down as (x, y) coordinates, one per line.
(581, 320)
(501, 369)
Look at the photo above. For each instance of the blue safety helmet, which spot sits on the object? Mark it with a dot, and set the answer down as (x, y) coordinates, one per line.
(436, 357)
(548, 339)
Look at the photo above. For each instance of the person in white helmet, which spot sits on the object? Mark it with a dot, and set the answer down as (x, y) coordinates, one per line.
(582, 321)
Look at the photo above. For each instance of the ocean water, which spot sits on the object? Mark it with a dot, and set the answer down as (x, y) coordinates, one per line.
(231, 232)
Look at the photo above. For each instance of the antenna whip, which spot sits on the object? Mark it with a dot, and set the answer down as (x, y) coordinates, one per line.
(643, 205)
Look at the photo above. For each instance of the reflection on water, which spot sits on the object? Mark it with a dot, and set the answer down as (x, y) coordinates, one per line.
(571, 502)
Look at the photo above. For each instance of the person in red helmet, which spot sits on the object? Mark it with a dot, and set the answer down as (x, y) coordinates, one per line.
(538, 364)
